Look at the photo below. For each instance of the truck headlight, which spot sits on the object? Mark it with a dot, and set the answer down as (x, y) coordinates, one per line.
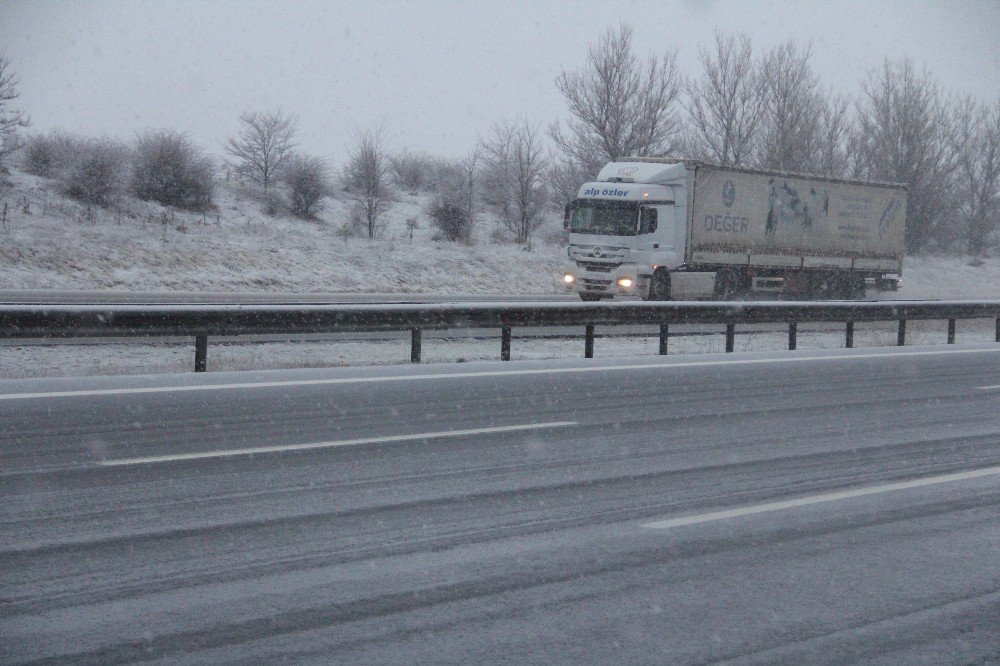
(625, 282)
(568, 278)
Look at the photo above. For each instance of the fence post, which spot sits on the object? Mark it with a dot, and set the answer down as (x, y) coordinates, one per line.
(588, 343)
(664, 333)
(730, 337)
(793, 329)
(200, 353)
(998, 329)
(901, 334)
(849, 342)
(414, 345)
(951, 331)
(505, 343)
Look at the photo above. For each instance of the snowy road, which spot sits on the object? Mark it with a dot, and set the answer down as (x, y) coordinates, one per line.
(817, 506)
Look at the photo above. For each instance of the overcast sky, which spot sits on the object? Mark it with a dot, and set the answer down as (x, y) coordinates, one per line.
(438, 74)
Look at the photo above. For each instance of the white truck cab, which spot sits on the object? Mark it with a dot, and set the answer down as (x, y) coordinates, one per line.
(627, 227)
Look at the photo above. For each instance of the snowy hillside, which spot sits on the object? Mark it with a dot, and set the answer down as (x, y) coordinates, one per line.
(60, 244)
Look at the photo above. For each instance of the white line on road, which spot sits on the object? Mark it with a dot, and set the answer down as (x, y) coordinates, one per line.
(227, 453)
(989, 388)
(819, 499)
(487, 373)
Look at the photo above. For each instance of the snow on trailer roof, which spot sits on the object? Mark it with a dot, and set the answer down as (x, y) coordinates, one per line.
(769, 172)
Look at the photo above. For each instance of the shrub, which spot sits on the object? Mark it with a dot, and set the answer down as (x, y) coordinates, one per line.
(413, 172)
(308, 181)
(48, 154)
(171, 170)
(451, 219)
(97, 172)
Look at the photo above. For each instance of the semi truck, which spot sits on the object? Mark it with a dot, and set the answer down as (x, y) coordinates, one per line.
(663, 229)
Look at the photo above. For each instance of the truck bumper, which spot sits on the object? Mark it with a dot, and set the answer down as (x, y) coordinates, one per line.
(610, 282)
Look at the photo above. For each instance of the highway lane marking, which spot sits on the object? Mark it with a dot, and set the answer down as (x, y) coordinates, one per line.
(460, 375)
(819, 499)
(989, 388)
(228, 453)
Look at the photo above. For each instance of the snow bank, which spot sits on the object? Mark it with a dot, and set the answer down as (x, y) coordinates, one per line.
(61, 244)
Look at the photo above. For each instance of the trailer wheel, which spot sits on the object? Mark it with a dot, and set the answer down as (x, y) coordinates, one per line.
(659, 286)
(730, 285)
(855, 287)
(826, 286)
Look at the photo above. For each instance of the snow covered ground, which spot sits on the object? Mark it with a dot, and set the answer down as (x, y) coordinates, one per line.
(56, 243)
(66, 360)
(61, 244)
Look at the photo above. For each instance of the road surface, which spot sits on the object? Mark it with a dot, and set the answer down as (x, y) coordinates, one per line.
(98, 297)
(805, 507)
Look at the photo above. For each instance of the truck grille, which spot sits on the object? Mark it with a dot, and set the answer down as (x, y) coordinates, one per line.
(596, 285)
(598, 268)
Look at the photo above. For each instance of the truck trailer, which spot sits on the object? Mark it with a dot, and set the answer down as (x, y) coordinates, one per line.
(664, 229)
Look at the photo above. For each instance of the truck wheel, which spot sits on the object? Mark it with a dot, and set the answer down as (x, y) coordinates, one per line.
(826, 286)
(659, 286)
(589, 297)
(730, 285)
(855, 287)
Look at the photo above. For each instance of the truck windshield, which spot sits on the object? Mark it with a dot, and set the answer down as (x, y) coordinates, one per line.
(610, 219)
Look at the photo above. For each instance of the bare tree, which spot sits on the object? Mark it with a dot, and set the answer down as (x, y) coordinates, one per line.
(977, 138)
(724, 107)
(566, 176)
(514, 177)
(11, 119)
(790, 129)
(903, 135)
(368, 176)
(308, 180)
(264, 144)
(621, 105)
(413, 172)
(835, 130)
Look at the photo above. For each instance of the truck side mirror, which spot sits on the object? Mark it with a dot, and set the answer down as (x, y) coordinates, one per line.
(567, 212)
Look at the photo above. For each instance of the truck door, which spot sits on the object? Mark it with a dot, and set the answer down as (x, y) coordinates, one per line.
(658, 234)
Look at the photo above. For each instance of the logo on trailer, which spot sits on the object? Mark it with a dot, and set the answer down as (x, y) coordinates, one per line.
(728, 193)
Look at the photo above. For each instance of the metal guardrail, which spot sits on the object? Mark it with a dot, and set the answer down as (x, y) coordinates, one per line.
(202, 321)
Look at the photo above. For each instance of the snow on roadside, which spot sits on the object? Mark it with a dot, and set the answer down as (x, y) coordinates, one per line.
(935, 277)
(74, 360)
(61, 244)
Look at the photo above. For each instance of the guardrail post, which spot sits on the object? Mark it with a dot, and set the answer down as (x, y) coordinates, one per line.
(588, 342)
(505, 343)
(849, 341)
(998, 329)
(200, 353)
(414, 345)
(793, 329)
(664, 333)
(901, 334)
(951, 331)
(730, 337)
